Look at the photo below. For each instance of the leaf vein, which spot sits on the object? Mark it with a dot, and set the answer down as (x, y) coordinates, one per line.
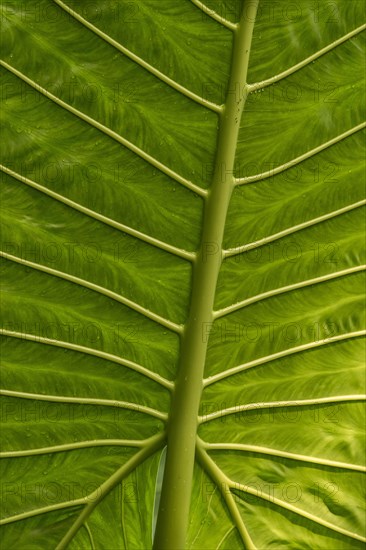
(256, 244)
(284, 454)
(214, 15)
(73, 446)
(301, 158)
(97, 216)
(288, 288)
(274, 500)
(87, 528)
(43, 510)
(291, 351)
(153, 445)
(96, 288)
(222, 482)
(139, 61)
(307, 61)
(87, 401)
(280, 404)
(107, 131)
(90, 351)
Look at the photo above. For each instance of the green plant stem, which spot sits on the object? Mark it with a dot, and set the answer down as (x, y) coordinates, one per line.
(172, 522)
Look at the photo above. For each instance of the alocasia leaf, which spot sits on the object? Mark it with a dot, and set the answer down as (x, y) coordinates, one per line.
(182, 274)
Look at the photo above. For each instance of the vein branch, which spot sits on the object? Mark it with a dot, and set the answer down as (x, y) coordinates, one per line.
(214, 15)
(153, 444)
(139, 61)
(43, 510)
(301, 158)
(288, 288)
(107, 131)
(280, 404)
(90, 351)
(283, 454)
(223, 483)
(224, 538)
(294, 229)
(97, 216)
(307, 61)
(96, 288)
(87, 401)
(90, 536)
(274, 356)
(92, 500)
(274, 500)
(74, 446)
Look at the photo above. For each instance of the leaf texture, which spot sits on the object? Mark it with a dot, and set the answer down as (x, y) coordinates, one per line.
(121, 213)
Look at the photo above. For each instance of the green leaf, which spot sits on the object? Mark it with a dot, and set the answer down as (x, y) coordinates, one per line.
(182, 266)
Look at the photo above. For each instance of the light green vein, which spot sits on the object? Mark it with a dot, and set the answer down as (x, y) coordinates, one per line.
(44, 510)
(158, 74)
(154, 444)
(87, 401)
(230, 530)
(90, 351)
(307, 61)
(223, 482)
(92, 500)
(86, 526)
(288, 288)
(214, 15)
(279, 404)
(95, 215)
(74, 446)
(269, 498)
(283, 454)
(96, 288)
(256, 244)
(92, 122)
(291, 351)
(301, 158)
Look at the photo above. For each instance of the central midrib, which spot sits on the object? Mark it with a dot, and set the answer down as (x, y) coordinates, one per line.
(173, 517)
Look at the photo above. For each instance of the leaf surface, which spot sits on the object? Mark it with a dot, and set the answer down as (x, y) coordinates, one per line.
(182, 264)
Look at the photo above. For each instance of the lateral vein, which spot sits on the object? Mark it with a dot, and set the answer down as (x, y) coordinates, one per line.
(87, 528)
(73, 446)
(222, 482)
(261, 242)
(87, 401)
(107, 131)
(288, 288)
(90, 351)
(90, 501)
(307, 61)
(97, 216)
(153, 444)
(279, 404)
(301, 158)
(214, 15)
(274, 500)
(291, 351)
(230, 530)
(43, 510)
(284, 454)
(96, 288)
(139, 61)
